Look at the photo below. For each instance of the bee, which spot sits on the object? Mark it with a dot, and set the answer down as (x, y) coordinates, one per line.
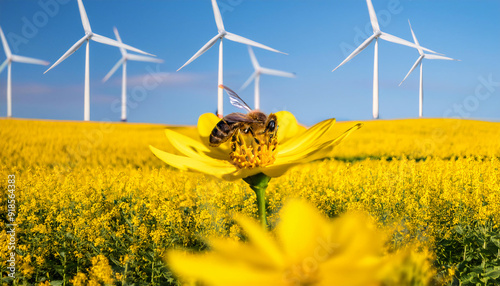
(254, 122)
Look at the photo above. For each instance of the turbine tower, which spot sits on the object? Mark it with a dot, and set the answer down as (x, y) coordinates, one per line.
(377, 33)
(222, 33)
(419, 62)
(256, 77)
(8, 62)
(89, 35)
(123, 62)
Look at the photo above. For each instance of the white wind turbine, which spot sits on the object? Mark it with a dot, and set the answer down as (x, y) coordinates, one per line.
(222, 33)
(8, 62)
(377, 33)
(123, 62)
(256, 77)
(419, 62)
(89, 35)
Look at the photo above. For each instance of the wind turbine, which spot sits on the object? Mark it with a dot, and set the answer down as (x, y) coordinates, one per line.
(89, 35)
(123, 62)
(419, 62)
(8, 62)
(222, 33)
(377, 33)
(256, 76)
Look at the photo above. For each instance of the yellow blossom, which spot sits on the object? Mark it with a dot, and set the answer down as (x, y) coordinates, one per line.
(101, 271)
(79, 279)
(307, 249)
(231, 161)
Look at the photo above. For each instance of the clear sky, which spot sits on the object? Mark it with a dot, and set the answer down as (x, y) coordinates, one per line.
(317, 35)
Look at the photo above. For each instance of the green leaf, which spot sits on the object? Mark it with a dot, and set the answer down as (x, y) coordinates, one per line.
(493, 274)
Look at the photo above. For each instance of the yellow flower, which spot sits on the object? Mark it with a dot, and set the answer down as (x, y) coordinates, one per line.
(243, 157)
(79, 279)
(307, 249)
(101, 270)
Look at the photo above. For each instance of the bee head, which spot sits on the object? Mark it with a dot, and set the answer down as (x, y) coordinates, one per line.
(272, 124)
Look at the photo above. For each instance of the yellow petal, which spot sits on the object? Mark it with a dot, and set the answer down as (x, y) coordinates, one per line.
(262, 240)
(236, 250)
(242, 173)
(206, 123)
(288, 126)
(200, 164)
(307, 139)
(184, 144)
(215, 270)
(321, 149)
(303, 232)
(299, 155)
(278, 168)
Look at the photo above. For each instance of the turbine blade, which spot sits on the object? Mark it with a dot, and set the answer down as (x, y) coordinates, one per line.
(415, 40)
(249, 80)
(394, 39)
(71, 50)
(255, 63)
(139, 58)
(203, 49)
(357, 51)
(113, 70)
(373, 16)
(240, 39)
(117, 35)
(217, 16)
(5, 44)
(277, 72)
(4, 64)
(108, 41)
(438, 57)
(85, 19)
(419, 60)
(26, 60)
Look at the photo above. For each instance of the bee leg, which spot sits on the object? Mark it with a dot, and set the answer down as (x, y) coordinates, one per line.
(251, 131)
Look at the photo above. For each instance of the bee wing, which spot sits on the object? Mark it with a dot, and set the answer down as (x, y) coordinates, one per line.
(235, 99)
(238, 117)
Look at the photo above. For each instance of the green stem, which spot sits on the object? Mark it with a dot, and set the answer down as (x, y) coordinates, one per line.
(258, 183)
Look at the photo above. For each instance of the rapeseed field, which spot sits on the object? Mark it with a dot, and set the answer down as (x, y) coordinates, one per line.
(94, 206)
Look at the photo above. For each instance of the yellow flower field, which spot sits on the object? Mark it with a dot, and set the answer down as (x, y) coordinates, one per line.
(95, 206)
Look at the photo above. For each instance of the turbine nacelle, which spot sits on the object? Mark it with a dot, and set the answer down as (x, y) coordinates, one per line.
(258, 71)
(423, 55)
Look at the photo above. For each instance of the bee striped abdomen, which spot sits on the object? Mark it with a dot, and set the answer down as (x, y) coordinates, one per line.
(221, 133)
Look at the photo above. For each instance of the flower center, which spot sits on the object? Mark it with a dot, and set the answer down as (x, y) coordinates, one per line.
(251, 151)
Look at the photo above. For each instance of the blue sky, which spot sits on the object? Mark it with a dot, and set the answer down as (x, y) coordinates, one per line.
(317, 35)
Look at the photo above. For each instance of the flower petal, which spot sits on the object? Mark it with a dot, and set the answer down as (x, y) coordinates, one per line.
(215, 270)
(206, 123)
(278, 170)
(237, 250)
(307, 139)
(288, 126)
(184, 144)
(242, 173)
(261, 239)
(196, 163)
(314, 151)
(302, 230)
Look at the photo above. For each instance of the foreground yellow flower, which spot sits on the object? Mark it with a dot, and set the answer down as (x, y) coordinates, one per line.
(294, 145)
(253, 156)
(306, 249)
